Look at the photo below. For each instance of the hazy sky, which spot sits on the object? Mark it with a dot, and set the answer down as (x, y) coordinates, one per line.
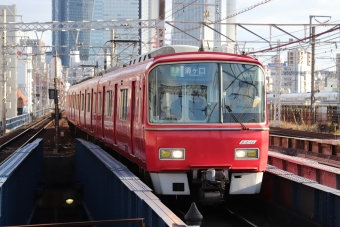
(273, 12)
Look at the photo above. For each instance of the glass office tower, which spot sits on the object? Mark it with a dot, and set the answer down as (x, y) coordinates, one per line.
(202, 11)
(90, 10)
(71, 10)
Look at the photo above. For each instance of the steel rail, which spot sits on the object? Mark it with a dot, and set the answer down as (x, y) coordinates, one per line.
(32, 137)
(28, 129)
(301, 134)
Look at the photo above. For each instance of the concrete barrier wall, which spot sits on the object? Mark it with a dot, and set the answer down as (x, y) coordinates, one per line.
(306, 197)
(110, 191)
(20, 181)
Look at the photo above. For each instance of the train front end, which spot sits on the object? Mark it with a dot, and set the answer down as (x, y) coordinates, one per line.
(207, 125)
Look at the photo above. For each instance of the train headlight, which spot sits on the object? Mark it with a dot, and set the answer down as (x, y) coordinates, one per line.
(172, 153)
(178, 154)
(246, 153)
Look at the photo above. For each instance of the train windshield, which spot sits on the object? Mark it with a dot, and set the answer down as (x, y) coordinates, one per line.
(206, 93)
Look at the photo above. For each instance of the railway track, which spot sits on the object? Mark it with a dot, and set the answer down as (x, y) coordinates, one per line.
(302, 134)
(242, 211)
(8, 148)
(330, 160)
(213, 215)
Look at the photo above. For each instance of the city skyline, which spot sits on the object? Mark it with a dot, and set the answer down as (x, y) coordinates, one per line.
(274, 12)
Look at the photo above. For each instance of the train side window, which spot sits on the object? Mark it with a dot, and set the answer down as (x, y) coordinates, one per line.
(123, 104)
(82, 102)
(88, 102)
(73, 101)
(99, 103)
(94, 102)
(108, 103)
(78, 100)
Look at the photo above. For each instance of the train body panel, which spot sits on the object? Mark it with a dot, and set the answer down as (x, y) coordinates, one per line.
(206, 149)
(174, 115)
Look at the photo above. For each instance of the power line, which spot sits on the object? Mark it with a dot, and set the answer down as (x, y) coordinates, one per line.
(276, 47)
(233, 15)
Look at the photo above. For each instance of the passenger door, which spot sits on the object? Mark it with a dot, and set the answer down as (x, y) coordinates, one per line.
(94, 113)
(132, 114)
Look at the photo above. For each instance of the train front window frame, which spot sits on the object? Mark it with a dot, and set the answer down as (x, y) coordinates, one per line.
(206, 92)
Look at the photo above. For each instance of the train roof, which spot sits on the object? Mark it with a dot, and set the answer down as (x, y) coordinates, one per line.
(205, 56)
(179, 50)
(164, 50)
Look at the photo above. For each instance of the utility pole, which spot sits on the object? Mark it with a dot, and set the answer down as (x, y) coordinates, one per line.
(160, 26)
(105, 60)
(34, 77)
(277, 88)
(312, 98)
(56, 108)
(3, 75)
(338, 75)
(112, 49)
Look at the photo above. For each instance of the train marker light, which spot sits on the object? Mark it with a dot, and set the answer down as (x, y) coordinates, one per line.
(165, 154)
(247, 153)
(172, 153)
(252, 153)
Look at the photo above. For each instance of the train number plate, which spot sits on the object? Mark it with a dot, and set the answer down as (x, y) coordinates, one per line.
(248, 142)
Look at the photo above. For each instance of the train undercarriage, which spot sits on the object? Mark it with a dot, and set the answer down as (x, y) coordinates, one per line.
(207, 186)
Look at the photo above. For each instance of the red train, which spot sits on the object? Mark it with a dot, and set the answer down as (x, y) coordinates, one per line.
(189, 119)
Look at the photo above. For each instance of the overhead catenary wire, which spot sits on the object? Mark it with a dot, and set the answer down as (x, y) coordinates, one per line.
(286, 44)
(233, 15)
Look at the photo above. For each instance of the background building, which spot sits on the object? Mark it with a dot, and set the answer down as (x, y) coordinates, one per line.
(33, 74)
(90, 10)
(295, 72)
(208, 12)
(71, 10)
(10, 64)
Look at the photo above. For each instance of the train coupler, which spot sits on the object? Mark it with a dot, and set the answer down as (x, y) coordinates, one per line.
(213, 186)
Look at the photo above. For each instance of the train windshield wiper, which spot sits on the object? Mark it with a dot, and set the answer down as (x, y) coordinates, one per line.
(211, 112)
(235, 118)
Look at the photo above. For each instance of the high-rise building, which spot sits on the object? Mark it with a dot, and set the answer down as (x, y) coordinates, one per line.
(203, 12)
(295, 75)
(10, 75)
(92, 10)
(299, 56)
(71, 10)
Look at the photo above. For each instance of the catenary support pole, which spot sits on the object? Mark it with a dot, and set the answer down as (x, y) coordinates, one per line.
(312, 98)
(56, 108)
(3, 76)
